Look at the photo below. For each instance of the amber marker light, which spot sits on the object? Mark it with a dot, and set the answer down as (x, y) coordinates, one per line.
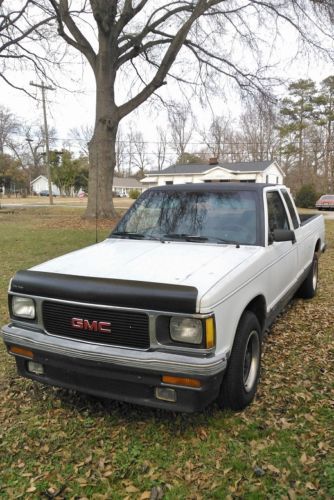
(21, 351)
(189, 382)
(210, 337)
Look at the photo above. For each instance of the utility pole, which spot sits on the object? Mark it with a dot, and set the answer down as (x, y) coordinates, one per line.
(46, 132)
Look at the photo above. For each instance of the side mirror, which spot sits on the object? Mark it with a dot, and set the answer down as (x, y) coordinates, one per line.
(282, 235)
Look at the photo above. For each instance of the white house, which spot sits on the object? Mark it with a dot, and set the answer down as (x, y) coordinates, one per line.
(41, 184)
(256, 171)
(123, 185)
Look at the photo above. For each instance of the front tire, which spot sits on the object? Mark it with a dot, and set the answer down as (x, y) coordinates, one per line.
(308, 288)
(241, 380)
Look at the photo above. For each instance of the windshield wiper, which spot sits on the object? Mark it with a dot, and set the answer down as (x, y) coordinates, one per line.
(227, 242)
(135, 236)
(199, 239)
(186, 237)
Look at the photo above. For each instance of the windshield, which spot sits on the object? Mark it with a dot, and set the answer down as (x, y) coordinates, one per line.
(327, 197)
(221, 217)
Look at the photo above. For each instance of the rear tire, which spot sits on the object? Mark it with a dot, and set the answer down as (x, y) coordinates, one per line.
(308, 288)
(242, 376)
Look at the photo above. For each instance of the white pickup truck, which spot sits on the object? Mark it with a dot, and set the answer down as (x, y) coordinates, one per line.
(170, 310)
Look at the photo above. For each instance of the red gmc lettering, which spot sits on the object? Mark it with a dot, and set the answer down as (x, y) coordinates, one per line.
(92, 326)
(77, 323)
(104, 327)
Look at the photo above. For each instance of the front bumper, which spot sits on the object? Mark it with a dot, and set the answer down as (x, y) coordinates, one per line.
(117, 373)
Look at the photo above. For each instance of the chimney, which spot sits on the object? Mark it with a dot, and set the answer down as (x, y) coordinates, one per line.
(213, 161)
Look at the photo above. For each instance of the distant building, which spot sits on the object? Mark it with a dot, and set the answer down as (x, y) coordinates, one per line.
(256, 171)
(123, 185)
(41, 184)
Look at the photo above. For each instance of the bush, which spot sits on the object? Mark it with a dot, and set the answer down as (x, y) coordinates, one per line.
(306, 196)
(134, 193)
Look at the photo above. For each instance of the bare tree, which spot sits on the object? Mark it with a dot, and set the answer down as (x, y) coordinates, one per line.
(28, 148)
(161, 148)
(145, 39)
(120, 153)
(24, 40)
(140, 158)
(181, 128)
(81, 137)
(258, 126)
(9, 125)
(218, 137)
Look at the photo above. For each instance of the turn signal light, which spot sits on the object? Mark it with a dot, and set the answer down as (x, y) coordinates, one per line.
(21, 351)
(189, 382)
(210, 333)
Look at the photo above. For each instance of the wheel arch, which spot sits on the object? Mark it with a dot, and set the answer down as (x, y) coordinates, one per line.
(258, 307)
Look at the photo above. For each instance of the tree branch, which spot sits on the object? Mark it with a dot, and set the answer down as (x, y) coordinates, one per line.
(25, 34)
(137, 51)
(15, 86)
(149, 28)
(79, 41)
(128, 14)
(168, 59)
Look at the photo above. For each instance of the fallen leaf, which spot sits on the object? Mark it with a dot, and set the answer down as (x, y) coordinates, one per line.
(273, 469)
(131, 489)
(145, 496)
(31, 489)
(311, 486)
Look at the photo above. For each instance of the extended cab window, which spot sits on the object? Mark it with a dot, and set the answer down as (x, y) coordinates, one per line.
(291, 208)
(277, 218)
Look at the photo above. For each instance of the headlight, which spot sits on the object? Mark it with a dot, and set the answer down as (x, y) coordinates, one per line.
(23, 307)
(188, 330)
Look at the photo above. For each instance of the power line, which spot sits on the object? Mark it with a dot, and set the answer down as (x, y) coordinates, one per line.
(207, 144)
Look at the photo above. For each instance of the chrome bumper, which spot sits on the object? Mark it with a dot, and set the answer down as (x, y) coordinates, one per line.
(156, 361)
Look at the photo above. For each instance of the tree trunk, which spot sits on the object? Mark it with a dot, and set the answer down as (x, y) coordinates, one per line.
(102, 161)
(102, 147)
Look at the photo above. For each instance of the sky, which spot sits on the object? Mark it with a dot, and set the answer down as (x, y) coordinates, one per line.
(67, 110)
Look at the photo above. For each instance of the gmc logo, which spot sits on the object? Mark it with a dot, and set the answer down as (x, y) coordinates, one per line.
(92, 326)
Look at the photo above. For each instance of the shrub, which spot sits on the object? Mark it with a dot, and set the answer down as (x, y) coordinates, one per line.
(306, 196)
(134, 193)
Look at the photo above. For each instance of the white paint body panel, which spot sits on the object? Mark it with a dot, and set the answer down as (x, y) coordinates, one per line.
(227, 278)
(178, 263)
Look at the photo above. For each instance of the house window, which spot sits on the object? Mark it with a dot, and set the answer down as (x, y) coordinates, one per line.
(277, 180)
(267, 179)
(169, 182)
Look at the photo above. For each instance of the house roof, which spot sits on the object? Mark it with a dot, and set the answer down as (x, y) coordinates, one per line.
(199, 168)
(126, 182)
(37, 178)
(213, 187)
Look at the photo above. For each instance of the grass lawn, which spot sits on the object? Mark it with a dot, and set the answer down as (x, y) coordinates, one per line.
(56, 443)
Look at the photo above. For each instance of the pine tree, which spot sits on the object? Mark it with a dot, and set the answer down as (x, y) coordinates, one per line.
(325, 101)
(298, 112)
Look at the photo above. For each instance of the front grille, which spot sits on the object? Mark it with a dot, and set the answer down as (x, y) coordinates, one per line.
(128, 329)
